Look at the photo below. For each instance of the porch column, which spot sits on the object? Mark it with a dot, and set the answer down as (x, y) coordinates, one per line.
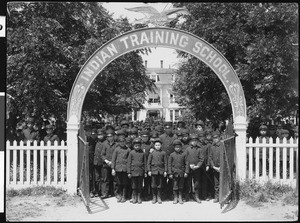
(240, 127)
(72, 154)
(167, 118)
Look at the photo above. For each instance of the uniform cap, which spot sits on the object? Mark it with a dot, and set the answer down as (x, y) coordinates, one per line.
(133, 130)
(193, 136)
(154, 134)
(184, 131)
(216, 134)
(145, 132)
(178, 133)
(49, 126)
(285, 131)
(109, 127)
(128, 140)
(124, 122)
(110, 131)
(263, 127)
(201, 133)
(94, 131)
(137, 140)
(157, 140)
(208, 131)
(120, 132)
(177, 142)
(159, 128)
(168, 124)
(100, 132)
(200, 122)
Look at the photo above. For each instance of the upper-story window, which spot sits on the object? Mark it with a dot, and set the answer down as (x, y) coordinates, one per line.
(173, 98)
(154, 77)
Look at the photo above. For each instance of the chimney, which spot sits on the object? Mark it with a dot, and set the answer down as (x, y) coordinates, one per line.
(161, 64)
(146, 63)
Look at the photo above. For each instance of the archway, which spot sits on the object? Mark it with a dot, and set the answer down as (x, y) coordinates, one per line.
(157, 37)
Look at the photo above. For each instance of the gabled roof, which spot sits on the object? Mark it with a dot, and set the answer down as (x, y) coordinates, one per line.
(165, 74)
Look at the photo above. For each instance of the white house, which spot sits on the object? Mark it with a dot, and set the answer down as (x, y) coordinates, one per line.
(162, 103)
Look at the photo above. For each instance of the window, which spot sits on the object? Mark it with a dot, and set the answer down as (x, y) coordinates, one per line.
(154, 77)
(171, 115)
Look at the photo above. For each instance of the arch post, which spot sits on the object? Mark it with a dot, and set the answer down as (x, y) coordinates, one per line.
(240, 127)
(72, 154)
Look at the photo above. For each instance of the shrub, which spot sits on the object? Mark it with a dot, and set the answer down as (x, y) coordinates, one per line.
(254, 193)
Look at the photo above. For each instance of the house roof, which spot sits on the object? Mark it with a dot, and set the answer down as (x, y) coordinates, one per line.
(165, 74)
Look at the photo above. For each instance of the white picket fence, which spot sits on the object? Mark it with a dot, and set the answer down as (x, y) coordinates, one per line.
(36, 164)
(272, 161)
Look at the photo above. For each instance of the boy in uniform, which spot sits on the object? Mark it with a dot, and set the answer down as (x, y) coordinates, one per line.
(157, 170)
(98, 161)
(214, 161)
(196, 159)
(178, 169)
(119, 167)
(106, 155)
(136, 167)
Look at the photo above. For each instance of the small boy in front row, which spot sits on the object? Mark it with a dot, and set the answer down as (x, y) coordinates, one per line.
(178, 169)
(214, 156)
(157, 168)
(136, 169)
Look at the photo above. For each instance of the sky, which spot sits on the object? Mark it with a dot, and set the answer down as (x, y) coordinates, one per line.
(169, 56)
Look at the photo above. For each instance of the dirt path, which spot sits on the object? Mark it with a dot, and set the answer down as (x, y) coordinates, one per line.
(54, 209)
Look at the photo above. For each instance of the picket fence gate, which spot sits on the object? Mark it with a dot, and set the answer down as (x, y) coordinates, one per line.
(36, 163)
(272, 161)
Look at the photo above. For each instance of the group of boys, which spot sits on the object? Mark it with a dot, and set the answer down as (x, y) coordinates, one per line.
(162, 163)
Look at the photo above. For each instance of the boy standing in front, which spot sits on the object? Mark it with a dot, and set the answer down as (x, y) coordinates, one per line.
(157, 170)
(136, 167)
(178, 169)
(214, 162)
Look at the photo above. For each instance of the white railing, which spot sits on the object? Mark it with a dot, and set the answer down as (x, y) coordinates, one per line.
(274, 161)
(36, 163)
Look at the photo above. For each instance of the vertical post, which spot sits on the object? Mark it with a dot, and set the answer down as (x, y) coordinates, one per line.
(240, 127)
(72, 154)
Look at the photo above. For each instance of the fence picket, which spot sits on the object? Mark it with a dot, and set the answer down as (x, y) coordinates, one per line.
(42, 174)
(284, 153)
(277, 161)
(28, 166)
(271, 149)
(256, 161)
(14, 166)
(55, 166)
(250, 159)
(21, 166)
(8, 162)
(35, 166)
(264, 159)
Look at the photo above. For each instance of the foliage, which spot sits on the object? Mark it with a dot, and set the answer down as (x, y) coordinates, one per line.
(47, 45)
(258, 39)
(36, 191)
(255, 193)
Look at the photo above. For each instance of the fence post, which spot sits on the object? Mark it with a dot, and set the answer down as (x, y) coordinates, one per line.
(240, 127)
(72, 154)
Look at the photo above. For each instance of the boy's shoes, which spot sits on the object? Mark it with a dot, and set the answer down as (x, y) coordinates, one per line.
(216, 200)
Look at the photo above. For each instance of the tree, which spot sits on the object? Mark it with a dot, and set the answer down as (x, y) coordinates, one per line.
(258, 40)
(47, 45)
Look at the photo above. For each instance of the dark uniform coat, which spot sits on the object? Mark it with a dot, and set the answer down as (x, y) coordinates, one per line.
(195, 155)
(178, 164)
(167, 143)
(136, 163)
(119, 159)
(30, 135)
(107, 150)
(97, 155)
(51, 138)
(157, 162)
(146, 148)
(214, 154)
